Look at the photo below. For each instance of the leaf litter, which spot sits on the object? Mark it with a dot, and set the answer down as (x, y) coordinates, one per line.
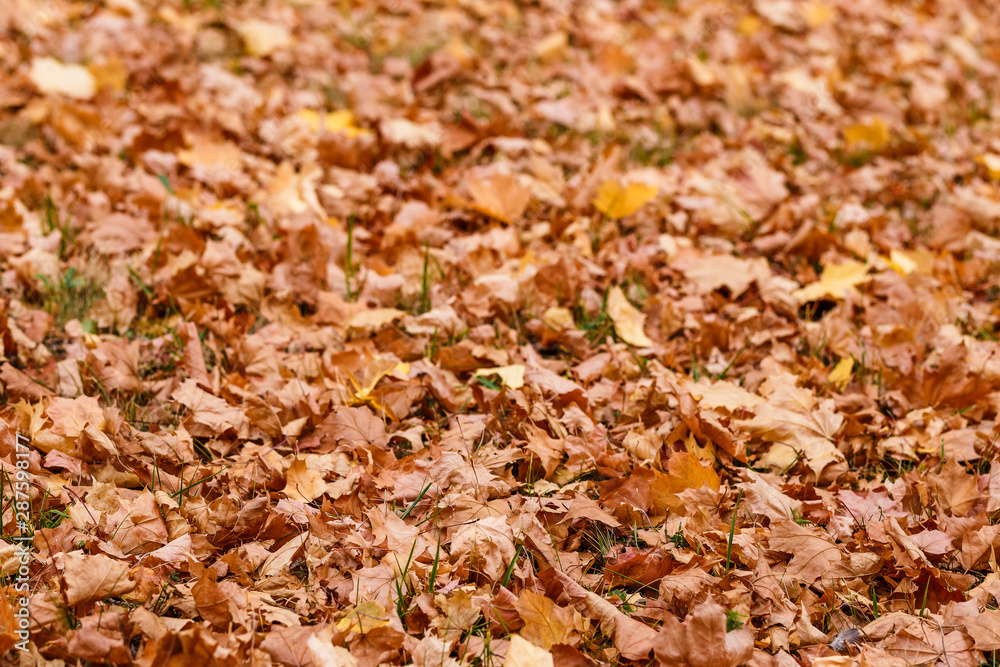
(488, 333)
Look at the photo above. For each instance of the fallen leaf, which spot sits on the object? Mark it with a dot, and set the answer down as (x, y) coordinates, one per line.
(616, 201)
(364, 617)
(488, 542)
(872, 135)
(262, 38)
(841, 373)
(627, 319)
(522, 653)
(545, 622)
(512, 376)
(702, 639)
(835, 282)
(56, 78)
(302, 483)
(94, 578)
(499, 195)
(813, 553)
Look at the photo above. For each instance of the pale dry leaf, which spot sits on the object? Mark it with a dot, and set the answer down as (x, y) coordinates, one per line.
(262, 38)
(51, 76)
(512, 376)
(628, 320)
(499, 195)
(324, 654)
(522, 653)
(489, 542)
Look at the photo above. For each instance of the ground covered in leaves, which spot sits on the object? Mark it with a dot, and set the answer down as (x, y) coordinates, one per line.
(496, 333)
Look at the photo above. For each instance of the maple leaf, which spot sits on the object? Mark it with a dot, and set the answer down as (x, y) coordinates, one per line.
(545, 622)
(766, 499)
(702, 640)
(303, 483)
(616, 201)
(363, 617)
(957, 489)
(92, 578)
(813, 553)
(217, 602)
(355, 427)
(489, 542)
(835, 281)
(210, 415)
(512, 376)
(799, 426)
(498, 195)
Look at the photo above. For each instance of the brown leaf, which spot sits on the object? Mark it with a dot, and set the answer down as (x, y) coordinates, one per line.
(93, 578)
(957, 489)
(8, 623)
(545, 622)
(488, 542)
(813, 553)
(303, 483)
(216, 601)
(633, 639)
(702, 640)
(355, 427)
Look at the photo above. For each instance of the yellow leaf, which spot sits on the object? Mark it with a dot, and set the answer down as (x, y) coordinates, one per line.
(841, 373)
(749, 25)
(992, 163)
(905, 262)
(684, 471)
(628, 320)
(522, 653)
(616, 201)
(377, 370)
(366, 616)
(873, 135)
(818, 13)
(341, 121)
(558, 318)
(512, 376)
(835, 281)
(110, 74)
(311, 118)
